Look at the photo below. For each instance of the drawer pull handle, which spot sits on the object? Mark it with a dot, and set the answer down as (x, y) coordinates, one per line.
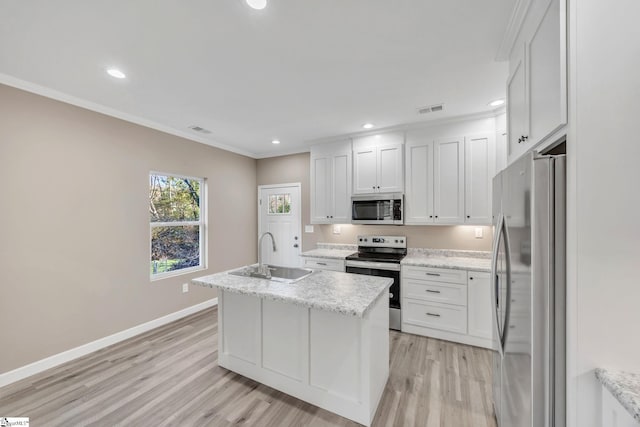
(321, 263)
(512, 327)
(433, 314)
(433, 274)
(432, 291)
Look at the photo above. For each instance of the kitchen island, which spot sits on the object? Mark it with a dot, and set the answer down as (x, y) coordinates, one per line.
(323, 339)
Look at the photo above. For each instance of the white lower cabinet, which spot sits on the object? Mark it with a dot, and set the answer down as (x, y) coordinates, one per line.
(324, 264)
(449, 304)
(479, 307)
(613, 413)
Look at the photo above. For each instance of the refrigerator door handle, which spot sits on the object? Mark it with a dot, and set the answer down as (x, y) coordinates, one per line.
(507, 310)
(495, 288)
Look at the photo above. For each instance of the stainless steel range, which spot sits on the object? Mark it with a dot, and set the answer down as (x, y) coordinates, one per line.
(381, 256)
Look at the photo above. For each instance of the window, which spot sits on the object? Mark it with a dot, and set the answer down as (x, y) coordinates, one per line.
(177, 222)
(279, 204)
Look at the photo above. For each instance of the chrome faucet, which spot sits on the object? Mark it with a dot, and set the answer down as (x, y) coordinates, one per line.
(263, 269)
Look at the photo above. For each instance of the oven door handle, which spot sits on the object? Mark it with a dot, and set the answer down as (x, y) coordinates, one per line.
(374, 265)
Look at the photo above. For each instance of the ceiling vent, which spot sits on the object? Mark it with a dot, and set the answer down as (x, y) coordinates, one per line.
(431, 109)
(199, 129)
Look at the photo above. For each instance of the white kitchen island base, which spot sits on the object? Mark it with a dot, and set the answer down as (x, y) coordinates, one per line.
(336, 361)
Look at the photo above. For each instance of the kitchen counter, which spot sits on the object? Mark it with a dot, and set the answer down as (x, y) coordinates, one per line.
(342, 293)
(323, 339)
(331, 251)
(328, 253)
(442, 258)
(625, 387)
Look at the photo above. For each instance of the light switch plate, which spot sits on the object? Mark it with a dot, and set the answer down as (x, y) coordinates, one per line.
(478, 232)
(308, 228)
(185, 287)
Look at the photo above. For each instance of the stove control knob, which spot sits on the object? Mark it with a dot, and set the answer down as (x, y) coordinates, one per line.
(365, 240)
(361, 239)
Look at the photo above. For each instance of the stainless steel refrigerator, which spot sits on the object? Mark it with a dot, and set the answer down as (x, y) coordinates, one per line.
(528, 292)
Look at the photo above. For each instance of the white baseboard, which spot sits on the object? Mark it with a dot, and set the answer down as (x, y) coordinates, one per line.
(66, 356)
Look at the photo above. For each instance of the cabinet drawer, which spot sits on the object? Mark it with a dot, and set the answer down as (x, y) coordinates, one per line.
(446, 317)
(324, 264)
(448, 293)
(435, 274)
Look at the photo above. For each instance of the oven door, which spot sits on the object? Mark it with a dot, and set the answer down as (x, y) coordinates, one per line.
(390, 270)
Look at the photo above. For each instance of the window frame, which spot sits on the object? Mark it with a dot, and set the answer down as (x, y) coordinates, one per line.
(201, 223)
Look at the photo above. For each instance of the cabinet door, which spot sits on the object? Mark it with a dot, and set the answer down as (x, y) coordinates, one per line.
(418, 198)
(365, 178)
(341, 188)
(390, 179)
(479, 305)
(448, 181)
(320, 189)
(547, 77)
(479, 170)
(517, 112)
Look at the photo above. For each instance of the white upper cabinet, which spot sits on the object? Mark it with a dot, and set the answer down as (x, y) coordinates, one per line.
(320, 184)
(537, 86)
(448, 181)
(331, 183)
(546, 56)
(517, 111)
(378, 164)
(365, 170)
(418, 199)
(480, 159)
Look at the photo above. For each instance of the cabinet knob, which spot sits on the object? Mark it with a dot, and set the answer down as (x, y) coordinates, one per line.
(378, 187)
(430, 216)
(436, 216)
(374, 187)
(470, 278)
(295, 246)
(331, 216)
(468, 216)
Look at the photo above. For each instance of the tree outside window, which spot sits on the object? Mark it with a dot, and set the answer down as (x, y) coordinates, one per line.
(177, 223)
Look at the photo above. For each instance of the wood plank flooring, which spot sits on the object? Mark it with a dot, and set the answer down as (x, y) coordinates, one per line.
(169, 376)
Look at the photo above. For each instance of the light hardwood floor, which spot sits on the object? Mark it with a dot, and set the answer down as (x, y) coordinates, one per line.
(170, 377)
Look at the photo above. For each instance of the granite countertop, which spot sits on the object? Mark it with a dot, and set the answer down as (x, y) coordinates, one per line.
(442, 258)
(331, 251)
(327, 253)
(625, 387)
(350, 294)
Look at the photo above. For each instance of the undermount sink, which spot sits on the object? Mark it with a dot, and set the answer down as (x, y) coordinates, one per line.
(276, 273)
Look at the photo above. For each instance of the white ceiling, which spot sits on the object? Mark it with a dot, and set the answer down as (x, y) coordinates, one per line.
(297, 71)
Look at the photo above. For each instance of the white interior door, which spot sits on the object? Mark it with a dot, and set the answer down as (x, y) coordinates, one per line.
(279, 213)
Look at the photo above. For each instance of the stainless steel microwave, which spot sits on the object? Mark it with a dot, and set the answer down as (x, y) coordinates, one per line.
(378, 209)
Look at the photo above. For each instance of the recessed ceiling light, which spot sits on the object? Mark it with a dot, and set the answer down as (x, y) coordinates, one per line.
(496, 103)
(367, 126)
(114, 72)
(275, 141)
(257, 4)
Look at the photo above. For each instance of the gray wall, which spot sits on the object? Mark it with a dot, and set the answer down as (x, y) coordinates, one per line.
(74, 224)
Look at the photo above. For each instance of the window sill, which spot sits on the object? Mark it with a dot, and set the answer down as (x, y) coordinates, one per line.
(170, 274)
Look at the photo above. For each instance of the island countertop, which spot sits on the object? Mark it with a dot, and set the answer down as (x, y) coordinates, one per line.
(625, 387)
(350, 294)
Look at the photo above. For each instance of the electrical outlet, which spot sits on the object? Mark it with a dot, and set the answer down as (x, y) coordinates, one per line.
(185, 287)
(478, 232)
(336, 229)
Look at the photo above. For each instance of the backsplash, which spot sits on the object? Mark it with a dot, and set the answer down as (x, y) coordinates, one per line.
(452, 237)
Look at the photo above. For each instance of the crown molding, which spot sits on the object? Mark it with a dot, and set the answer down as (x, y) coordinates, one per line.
(108, 111)
(514, 25)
